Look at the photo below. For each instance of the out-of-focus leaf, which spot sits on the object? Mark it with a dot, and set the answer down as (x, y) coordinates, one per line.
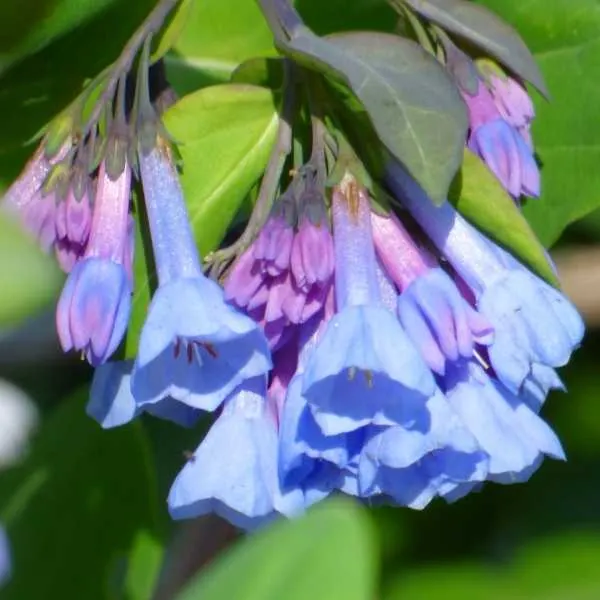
(327, 554)
(483, 201)
(45, 83)
(412, 103)
(218, 35)
(29, 279)
(486, 30)
(44, 21)
(225, 134)
(78, 509)
(565, 40)
(562, 567)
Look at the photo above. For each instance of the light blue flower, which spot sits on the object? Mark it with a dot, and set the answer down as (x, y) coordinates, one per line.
(513, 436)
(112, 404)
(412, 467)
(535, 325)
(194, 347)
(364, 368)
(234, 469)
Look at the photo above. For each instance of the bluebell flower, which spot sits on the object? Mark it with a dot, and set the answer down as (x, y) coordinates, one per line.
(193, 346)
(364, 369)
(112, 404)
(93, 310)
(412, 467)
(440, 322)
(535, 326)
(233, 472)
(514, 437)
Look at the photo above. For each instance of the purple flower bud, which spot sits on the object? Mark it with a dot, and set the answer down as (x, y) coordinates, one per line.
(25, 189)
(500, 144)
(312, 258)
(400, 256)
(93, 309)
(73, 220)
(512, 100)
(508, 157)
(274, 245)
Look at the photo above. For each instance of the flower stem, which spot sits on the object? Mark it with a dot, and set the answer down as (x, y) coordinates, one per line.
(122, 65)
(221, 259)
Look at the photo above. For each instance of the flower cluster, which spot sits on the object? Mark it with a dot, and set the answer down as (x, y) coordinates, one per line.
(392, 356)
(414, 379)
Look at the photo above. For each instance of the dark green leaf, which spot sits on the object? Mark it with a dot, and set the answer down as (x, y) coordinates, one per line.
(486, 30)
(45, 83)
(328, 554)
(482, 200)
(47, 20)
(565, 40)
(30, 279)
(412, 103)
(79, 509)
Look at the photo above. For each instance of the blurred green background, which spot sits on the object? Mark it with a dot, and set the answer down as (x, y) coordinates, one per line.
(85, 508)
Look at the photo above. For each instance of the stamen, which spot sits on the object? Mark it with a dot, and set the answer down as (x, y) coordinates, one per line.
(369, 378)
(351, 373)
(210, 349)
(177, 348)
(190, 353)
(481, 360)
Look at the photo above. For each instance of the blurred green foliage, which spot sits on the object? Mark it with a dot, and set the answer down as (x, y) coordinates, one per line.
(85, 510)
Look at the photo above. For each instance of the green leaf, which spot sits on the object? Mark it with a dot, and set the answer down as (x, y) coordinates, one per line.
(46, 21)
(565, 40)
(265, 72)
(217, 37)
(329, 554)
(486, 30)
(79, 509)
(411, 101)
(45, 83)
(225, 134)
(30, 279)
(556, 568)
(483, 201)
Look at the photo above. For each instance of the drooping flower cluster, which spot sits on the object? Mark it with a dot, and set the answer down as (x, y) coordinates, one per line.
(394, 357)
